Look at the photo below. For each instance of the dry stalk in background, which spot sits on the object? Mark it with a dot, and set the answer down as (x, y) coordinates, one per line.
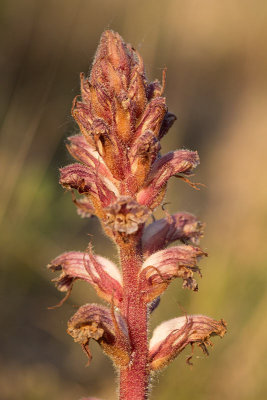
(121, 178)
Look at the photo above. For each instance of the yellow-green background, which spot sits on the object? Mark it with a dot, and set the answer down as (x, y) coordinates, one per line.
(216, 56)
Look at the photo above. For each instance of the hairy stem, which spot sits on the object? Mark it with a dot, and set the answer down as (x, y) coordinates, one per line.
(134, 378)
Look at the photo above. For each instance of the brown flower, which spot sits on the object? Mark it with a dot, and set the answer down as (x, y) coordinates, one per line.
(93, 321)
(126, 215)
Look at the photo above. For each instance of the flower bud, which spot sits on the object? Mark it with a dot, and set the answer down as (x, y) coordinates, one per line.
(84, 206)
(172, 336)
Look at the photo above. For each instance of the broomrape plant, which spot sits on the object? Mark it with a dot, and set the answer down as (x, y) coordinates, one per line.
(121, 178)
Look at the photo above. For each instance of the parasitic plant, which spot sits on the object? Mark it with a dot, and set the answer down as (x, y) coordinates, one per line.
(121, 178)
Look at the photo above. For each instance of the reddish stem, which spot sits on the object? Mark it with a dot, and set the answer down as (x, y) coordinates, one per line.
(134, 378)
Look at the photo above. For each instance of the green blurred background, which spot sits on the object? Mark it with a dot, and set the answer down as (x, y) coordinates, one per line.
(216, 58)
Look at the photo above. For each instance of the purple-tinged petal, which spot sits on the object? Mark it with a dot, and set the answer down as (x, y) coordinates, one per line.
(172, 336)
(101, 273)
(86, 154)
(107, 327)
(88, 181)
(77, 176)
(173, 163)
(163, 266)
(180, 226)
(167, 123)
(153, 305)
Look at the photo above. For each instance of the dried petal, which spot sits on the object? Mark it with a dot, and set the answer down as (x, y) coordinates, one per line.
(100, 272)
(126, 215)
(173, 163)
(180, 226)
(172, 336)
(163, 266)
(84, 206)
(93, 321)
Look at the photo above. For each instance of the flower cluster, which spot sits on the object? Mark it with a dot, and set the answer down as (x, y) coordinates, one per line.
(121, 177)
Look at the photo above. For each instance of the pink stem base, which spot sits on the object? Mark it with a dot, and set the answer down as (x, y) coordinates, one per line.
(134, 378)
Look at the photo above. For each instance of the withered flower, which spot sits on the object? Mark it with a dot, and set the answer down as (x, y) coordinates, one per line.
(163, 266)
(121, 177)
(181, 226)
(100, 272)
(93, 321)
(126, 215)
(172, 336)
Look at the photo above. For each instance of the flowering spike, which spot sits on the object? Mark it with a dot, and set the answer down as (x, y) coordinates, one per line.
(93, 321)
(121, 178)
(101, 273)
(172, 336)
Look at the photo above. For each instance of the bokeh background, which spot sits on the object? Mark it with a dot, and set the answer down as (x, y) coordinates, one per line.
(216, 57)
